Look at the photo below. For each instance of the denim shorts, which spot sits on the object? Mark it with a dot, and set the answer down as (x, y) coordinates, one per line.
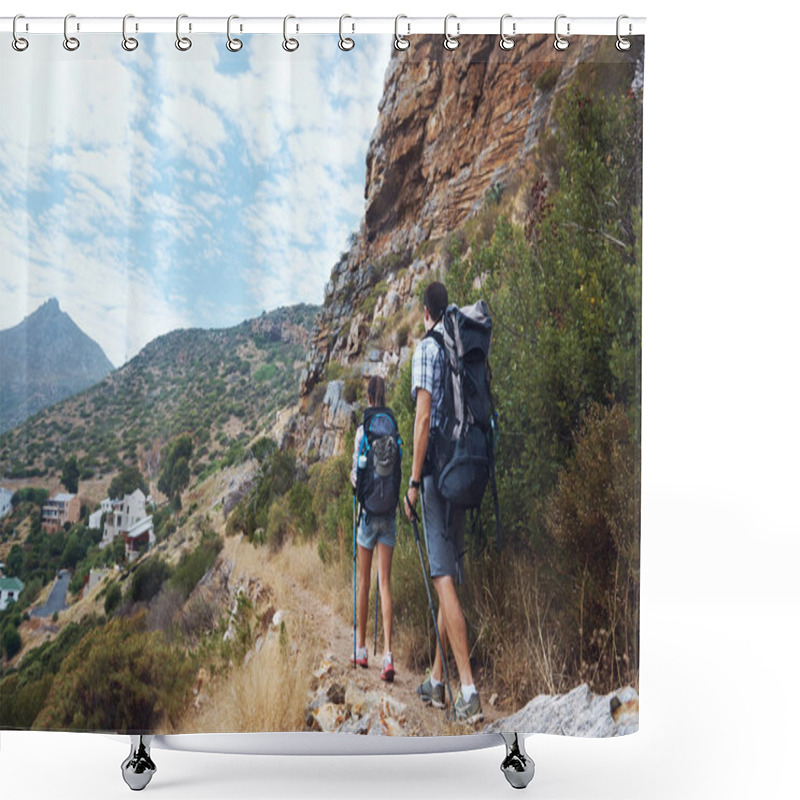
(376, 528)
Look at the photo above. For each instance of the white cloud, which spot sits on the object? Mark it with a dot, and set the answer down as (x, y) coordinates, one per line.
(168, 191)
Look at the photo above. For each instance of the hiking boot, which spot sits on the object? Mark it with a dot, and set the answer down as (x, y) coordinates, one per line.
(430, 694)
(468, 711)
(361, 658)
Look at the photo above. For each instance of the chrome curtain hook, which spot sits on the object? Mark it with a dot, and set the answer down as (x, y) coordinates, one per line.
(345, 42)
(289, 45)
(400, 42)
(623, 44)
(233, 44)
(506, 42)
(183, 43)
(70, 42)
(560, 43)
(129, 43)
(451, 42)
(19, 43)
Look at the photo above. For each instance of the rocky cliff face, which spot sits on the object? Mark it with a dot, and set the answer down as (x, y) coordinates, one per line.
(453, 127)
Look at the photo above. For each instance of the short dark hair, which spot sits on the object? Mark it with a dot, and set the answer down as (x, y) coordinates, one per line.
(435, 300)
(376, 391)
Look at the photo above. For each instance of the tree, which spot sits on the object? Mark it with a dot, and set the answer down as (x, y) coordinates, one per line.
(175, 472)
(70, 473)
(11, 641)
(127, 482)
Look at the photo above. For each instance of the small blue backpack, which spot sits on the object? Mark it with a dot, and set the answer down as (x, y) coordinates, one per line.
(380, 458)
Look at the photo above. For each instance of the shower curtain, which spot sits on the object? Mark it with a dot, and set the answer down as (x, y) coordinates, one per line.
(211, 256)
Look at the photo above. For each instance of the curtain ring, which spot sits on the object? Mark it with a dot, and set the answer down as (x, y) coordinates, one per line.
(451, 42)
(129, 43)
(18, 42)
(289, 45)
(183, 43)
(506, 42)
(70, 42)
(345, 42)
(622, 44)
(560, 43)
(400, 42)
(233, 44)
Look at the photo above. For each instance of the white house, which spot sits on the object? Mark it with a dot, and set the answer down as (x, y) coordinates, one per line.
(123, 515)
(106, 507)
(140, 538)
(5, 502)
(10, 590)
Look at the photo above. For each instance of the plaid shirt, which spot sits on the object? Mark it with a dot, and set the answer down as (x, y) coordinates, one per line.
(427, 371)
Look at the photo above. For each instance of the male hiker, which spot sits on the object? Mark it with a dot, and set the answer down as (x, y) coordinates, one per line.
(445, 543)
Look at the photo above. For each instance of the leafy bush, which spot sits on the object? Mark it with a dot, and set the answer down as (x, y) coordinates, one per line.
(127, 482)
(194, 565)
(30, 495)
(113, 599)
(21, 702)
(594, 517)
(148, 579)
(118, 678)
(332, 503)
(10, 641)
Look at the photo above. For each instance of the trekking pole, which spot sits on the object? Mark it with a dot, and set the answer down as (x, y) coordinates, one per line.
(377, 600)
(354, 579)
(414, 519)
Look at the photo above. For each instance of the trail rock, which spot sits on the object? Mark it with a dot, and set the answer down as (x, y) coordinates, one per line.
(347, 708)
(578, 713)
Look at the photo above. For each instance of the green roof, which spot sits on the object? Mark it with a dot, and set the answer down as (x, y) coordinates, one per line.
(11, 585)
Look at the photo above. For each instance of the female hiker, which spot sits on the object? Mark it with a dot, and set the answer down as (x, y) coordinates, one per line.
(376, 480)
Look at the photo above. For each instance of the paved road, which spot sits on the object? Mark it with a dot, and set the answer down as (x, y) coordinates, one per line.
(57, 601)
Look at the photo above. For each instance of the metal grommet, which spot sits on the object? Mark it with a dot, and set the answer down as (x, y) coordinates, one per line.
(289, 44)
(19, 43)
(183, 43)
(623, 44)
(233, 44)
(400, 42)
(560, 43)
(345, 42)
(506, 42)
(70, 42)
(451, 42)
(128, 42)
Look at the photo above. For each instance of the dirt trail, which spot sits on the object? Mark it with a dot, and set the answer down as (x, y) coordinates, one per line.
(337, 636)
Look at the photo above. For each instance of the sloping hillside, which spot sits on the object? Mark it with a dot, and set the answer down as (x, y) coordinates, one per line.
(217, 385)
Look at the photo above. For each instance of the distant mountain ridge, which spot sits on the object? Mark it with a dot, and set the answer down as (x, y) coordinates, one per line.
(220, 386)
(44, 359)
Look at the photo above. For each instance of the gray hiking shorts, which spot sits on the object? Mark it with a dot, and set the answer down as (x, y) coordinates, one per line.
(445, 548)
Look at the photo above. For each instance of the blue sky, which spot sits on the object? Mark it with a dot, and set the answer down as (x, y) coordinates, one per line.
(160, 189)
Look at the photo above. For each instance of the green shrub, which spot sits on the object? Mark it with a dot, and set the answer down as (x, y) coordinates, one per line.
(194, 565)
(148, 579)
(113, 599)
(20, 702)
(118, 678)
(11, 641)
(594, 517)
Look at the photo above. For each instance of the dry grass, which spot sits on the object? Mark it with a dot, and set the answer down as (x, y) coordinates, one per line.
(269, 693)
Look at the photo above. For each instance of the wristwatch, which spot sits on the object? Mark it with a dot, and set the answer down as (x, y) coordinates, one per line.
(412, 484)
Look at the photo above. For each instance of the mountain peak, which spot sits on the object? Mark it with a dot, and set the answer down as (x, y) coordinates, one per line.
(44, 359)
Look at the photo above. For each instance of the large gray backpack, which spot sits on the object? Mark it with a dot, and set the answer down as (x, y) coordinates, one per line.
(461, 450)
